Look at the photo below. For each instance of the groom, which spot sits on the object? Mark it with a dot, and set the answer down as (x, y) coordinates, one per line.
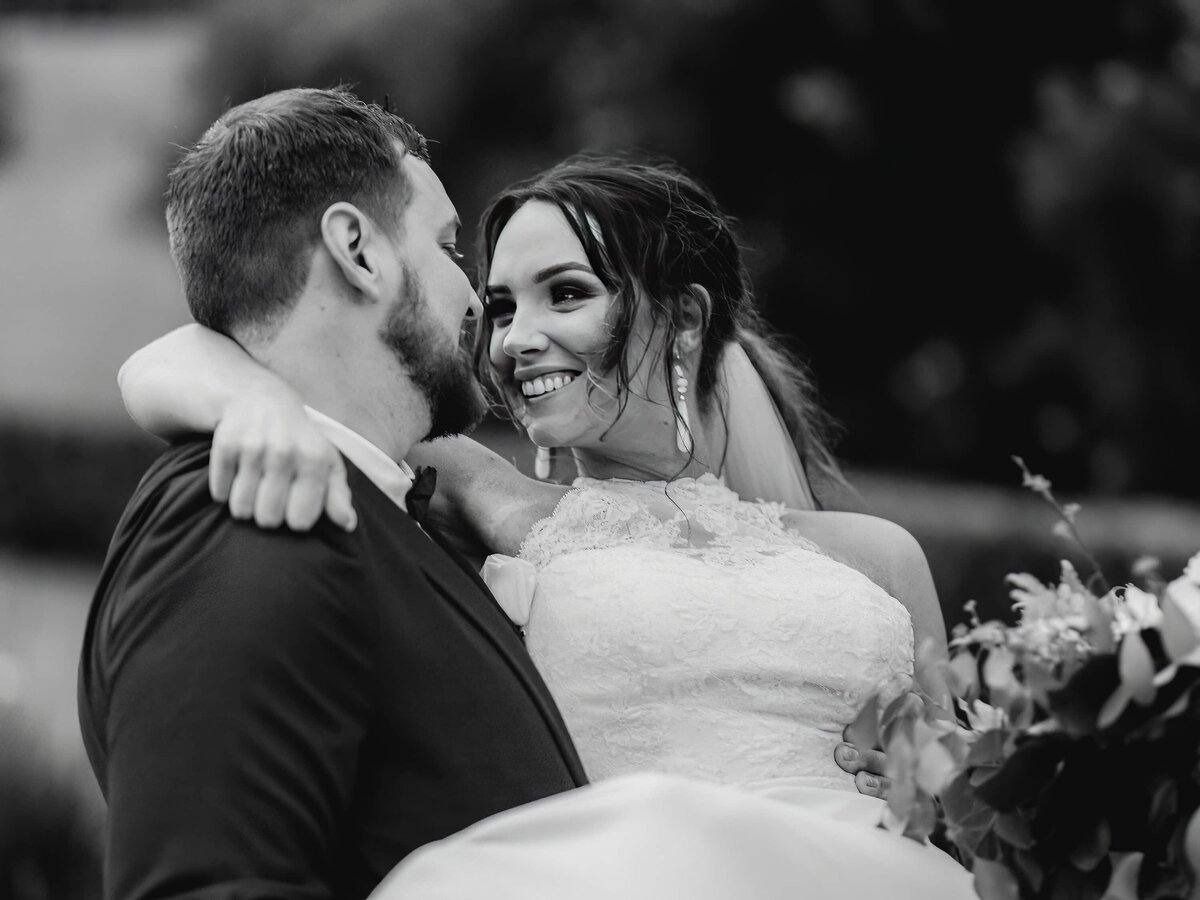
(286, 715)
(283, 714)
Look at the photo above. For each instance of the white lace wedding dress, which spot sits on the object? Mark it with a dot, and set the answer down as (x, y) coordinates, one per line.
(706, 660)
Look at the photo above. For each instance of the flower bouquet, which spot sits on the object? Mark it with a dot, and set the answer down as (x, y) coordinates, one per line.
(1067, 763)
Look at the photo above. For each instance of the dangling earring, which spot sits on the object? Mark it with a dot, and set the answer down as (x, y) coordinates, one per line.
(541, 462)
(683, 426)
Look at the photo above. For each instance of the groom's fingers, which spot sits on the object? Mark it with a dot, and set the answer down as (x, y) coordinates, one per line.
(854, 760)
(867, 767)
(872, 785)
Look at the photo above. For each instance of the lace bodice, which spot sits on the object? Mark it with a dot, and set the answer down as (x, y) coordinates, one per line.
(683, 630)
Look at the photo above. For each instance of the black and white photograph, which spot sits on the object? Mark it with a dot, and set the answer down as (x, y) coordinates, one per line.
(645, 449)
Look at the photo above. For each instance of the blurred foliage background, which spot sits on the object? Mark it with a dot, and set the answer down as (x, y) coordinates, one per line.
(980, 223)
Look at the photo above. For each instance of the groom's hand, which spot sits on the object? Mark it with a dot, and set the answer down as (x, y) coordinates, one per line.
(269, 462)
(866, 765)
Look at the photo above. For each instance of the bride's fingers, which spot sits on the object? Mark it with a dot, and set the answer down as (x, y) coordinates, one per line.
(338, 505)
(306, 495)
(222, 467)
(270, 503)
(244, 489)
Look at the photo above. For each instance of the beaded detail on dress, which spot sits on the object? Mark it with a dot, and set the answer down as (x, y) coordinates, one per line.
(684, 630)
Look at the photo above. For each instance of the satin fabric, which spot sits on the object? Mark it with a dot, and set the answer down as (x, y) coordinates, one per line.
(652, 836)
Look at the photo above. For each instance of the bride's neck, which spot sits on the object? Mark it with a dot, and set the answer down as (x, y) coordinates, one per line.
(655, 461)
(633, 467)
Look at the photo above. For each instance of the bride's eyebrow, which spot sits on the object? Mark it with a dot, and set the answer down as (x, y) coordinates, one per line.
(543, 274)
(551, 271)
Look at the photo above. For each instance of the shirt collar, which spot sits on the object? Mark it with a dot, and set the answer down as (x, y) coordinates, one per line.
(392, 477)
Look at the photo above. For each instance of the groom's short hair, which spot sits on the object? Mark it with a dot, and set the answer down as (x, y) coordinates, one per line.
(244, 204)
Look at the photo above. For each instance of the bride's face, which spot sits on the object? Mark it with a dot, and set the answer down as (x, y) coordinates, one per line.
(550, 317)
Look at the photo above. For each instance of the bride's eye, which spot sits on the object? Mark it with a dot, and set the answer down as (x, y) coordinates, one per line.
(569, 293)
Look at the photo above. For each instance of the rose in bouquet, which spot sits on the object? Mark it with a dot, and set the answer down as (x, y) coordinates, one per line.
(1069, 762)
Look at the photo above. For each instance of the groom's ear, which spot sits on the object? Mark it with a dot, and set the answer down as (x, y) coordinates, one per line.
(356, 246)
(691, 317)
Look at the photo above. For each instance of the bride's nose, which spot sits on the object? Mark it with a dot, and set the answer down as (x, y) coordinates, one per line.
(524, 336)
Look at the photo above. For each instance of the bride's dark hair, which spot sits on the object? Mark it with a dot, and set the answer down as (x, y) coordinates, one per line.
(653, 227)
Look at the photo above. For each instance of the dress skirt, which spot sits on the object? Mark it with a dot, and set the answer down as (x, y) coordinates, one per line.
(653, 837)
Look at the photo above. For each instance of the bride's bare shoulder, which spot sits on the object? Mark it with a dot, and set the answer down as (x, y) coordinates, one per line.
(879, 548)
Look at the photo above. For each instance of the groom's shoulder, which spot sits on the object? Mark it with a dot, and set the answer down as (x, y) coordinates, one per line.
(181, 468)
(171, 514)
(176, 549)
(177, 481)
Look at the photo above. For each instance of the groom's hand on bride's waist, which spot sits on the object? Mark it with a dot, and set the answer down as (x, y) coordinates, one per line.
(866, 764)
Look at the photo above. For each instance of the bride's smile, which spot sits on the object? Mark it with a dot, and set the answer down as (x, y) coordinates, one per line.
(535, 385)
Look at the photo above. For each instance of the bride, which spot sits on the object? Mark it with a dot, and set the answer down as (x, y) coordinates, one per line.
(692, 608)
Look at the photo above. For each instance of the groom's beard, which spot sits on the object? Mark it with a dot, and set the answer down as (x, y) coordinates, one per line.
(440, 369)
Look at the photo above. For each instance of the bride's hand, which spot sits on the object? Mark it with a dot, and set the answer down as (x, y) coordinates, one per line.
(270, 462)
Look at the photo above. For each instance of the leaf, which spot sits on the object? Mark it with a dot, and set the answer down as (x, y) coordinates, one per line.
(935, 766)
(1093, 848)
(1040, 680)
(963, 675)
(1025, 774)
(993, 881)
(863, 732)
(989, 749)
(1100, 626)
(1191, 846)
(907, 705)
(1178, 634)
(1114, 706)
(958, 800)
(1123, 884)
(1078, 703)
(1014, 829)
(998, 670)
(981, 776)
(922, 820)
(1030, 867)
(1066, 881)
(1136, 668)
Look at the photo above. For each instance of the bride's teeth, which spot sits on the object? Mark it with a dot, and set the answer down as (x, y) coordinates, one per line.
(535, 387)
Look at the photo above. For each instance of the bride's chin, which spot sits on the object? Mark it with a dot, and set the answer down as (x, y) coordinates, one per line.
(546, 437)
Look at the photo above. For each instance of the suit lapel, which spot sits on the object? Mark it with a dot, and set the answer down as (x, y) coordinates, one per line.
(481, 607)
(460, 585)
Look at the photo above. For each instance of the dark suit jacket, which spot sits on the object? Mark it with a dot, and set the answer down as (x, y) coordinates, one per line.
(273, 714)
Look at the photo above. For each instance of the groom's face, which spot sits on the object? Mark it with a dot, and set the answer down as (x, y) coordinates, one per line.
(424, 322)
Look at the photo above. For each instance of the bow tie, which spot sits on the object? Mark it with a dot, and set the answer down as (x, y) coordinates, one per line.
(417, 498)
